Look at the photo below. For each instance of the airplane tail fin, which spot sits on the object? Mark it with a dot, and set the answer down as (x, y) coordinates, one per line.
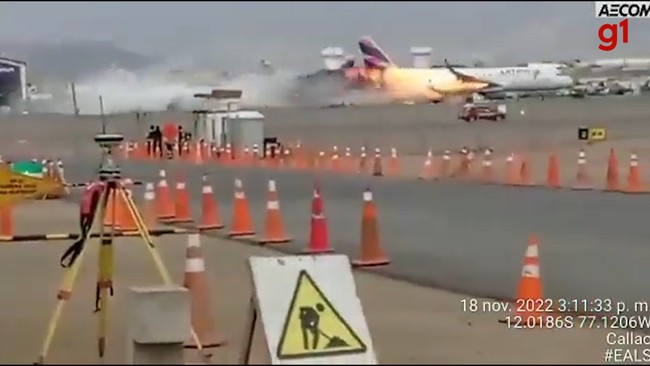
(373, 55)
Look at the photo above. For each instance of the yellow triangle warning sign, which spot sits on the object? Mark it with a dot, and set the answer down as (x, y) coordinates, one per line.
(16, 187)
(313, 327)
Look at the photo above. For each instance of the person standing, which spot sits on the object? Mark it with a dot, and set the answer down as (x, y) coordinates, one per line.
(181, 140)
(157, 142)
(150, 140)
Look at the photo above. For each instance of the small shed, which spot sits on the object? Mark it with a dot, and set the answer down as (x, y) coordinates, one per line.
(220, 121)
(243, 128)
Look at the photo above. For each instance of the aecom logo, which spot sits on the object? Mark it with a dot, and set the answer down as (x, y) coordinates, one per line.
(608, 32)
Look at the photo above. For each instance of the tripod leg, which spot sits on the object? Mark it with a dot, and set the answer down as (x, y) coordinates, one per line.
(64, 294)
(105, 274)
(162, 270)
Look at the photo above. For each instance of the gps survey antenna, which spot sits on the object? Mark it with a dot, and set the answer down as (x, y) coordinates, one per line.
(108, 169)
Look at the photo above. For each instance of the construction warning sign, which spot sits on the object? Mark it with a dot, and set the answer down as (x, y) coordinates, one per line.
(16, 187)
(310, 310)
(313, 327)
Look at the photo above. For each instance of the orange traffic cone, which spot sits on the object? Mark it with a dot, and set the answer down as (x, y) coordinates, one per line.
(393, 163)
(149, 206)
(376, 164)
(196, 283)
(197, 157)
(634, 184)
(529, 293)
(487, 176)
(371, 252)
(210, 214)
(445, 165)
(582, 182)
(553, 172)
(165, 209)
(427, 167)
(612, 179)
(241, 219)
(512, 175)
(348, 161)
(124, 219)
(273, 228)
(6, 221)
(318, 237)
(182, 202)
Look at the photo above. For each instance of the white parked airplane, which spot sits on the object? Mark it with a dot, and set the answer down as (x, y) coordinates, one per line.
(619, 68)
(530, 78)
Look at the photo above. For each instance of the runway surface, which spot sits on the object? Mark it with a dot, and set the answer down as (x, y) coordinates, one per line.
(409, 324)
(459, 236)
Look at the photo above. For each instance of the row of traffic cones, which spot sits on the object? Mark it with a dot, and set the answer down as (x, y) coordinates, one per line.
(518, 172)
(195, 280)
(371, 254)
(170, 209)
(529, 290)
(158, 204)
(293, 158)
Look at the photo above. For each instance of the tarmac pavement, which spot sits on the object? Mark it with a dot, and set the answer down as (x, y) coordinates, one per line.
(408, 323)
(464, 237)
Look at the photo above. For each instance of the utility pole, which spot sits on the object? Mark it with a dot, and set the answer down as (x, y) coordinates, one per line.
(74, 99)
(101, 114)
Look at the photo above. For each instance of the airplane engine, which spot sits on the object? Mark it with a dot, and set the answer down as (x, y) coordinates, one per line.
(421, 57)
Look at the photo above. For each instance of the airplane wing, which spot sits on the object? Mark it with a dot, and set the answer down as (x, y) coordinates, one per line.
(469, 78)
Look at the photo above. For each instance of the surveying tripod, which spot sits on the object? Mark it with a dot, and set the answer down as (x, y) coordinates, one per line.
(111, 190)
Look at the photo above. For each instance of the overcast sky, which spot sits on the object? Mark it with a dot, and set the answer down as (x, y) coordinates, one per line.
(237, 35)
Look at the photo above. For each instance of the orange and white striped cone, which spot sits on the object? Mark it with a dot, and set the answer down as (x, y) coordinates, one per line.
(372, 253)
(182, 202)
(377, 170)
(393, 163)
(242, 223)
(512, 174)
(530, 288)
(363, 161)
(427, 167)
(149, 206)
(348, 163)
(487, 176)
(165, 210)
(196, 282)
(274, 232)
(634, 183)
(210, 214)
(583, 181)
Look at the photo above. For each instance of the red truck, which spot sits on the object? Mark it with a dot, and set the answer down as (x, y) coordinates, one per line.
(492, 112)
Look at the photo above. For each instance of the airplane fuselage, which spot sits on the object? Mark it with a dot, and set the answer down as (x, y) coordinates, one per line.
(425, 84)
(521, 79)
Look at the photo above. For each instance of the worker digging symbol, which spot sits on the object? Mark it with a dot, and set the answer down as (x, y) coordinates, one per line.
(313, 327)
(309, 320)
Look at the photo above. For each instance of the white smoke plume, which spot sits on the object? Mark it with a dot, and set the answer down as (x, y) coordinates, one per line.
(124, 92)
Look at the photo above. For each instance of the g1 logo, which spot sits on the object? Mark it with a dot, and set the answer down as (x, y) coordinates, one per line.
(608, 35)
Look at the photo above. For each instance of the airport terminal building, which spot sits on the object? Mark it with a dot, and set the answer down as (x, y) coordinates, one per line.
(13, 80)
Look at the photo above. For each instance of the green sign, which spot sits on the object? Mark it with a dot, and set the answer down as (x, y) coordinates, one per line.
(29, 168)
